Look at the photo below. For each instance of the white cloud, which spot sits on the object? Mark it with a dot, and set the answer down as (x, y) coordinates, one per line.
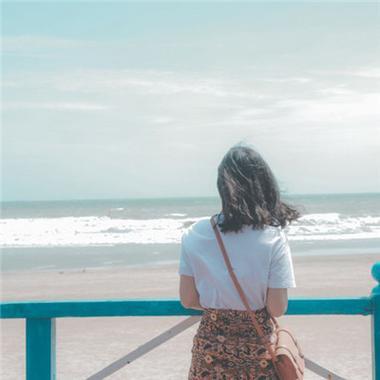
(336, 90)
(370, 72)
(162, 120)
(28, 43)
(364, 72)
(347, 108)
(55, 106)
(300, 80)
(153, 97)
(148, 82)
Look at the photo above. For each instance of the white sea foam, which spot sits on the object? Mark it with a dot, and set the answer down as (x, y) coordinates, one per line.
(89, 231)
(333, 226)
(103, 230)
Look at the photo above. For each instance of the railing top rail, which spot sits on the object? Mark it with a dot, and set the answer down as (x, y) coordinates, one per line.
(167, 307)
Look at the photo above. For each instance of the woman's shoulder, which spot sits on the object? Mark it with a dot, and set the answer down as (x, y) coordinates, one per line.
(200, 227)
(197, 233)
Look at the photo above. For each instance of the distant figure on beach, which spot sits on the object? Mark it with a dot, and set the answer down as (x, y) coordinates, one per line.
(226, 344)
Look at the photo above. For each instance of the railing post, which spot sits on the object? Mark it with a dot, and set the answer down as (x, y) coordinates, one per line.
(375, 300)
(40, 349)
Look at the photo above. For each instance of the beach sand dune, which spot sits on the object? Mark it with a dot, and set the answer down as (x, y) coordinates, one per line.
(86, 345)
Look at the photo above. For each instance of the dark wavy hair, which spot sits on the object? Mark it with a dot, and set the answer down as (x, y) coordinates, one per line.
(249, 192)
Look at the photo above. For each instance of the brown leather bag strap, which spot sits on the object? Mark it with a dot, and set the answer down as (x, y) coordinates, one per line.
(241, 292)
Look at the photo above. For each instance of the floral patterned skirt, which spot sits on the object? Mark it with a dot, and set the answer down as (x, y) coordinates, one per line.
(226, 346)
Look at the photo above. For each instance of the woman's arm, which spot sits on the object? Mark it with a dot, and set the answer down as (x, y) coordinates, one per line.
(188, 293)
(277, 301)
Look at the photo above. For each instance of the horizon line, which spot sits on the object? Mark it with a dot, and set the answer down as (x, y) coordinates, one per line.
(175, 197)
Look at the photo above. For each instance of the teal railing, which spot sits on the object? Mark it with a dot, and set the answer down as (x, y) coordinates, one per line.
(40, 320)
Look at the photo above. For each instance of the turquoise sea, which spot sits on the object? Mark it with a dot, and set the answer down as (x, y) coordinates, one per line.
(52, 235)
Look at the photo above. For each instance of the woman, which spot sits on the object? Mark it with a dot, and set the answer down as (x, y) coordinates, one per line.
(226, 344)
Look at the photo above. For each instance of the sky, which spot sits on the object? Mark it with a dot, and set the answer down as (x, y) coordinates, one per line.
(142, 100)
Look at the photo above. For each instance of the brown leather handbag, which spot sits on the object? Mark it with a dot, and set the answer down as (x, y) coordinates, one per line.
(285, 352)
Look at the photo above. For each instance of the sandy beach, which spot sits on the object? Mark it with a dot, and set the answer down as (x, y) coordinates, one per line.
(86, 345)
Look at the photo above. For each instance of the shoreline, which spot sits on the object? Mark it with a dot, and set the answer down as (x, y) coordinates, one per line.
(169, 263)
(130, 256)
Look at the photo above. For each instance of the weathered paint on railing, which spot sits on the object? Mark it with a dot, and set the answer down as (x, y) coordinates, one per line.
(40, 322)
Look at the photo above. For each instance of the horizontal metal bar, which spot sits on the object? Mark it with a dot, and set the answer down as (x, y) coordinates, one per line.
(324, 306)
(166, 307)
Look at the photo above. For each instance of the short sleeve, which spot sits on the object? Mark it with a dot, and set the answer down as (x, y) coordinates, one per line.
(281, 271)
(184, 262)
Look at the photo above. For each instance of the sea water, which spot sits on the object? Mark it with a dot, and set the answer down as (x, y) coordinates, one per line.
(51, 235)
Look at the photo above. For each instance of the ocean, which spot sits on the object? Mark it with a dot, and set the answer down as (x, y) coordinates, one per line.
(63, 235)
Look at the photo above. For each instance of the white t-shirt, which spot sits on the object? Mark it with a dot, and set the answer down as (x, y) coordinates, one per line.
(260, 259)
